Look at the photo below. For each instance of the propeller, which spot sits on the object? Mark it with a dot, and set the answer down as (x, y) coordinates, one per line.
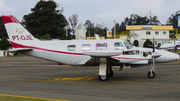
(151, 73)
(153, 57)
(153, 45)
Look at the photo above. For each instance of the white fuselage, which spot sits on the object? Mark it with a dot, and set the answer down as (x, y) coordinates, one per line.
(75, 55)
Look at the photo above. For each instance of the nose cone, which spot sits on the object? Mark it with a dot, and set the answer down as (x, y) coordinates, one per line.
(172, 56)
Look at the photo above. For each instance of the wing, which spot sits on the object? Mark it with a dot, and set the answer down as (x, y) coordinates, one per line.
(19, 49)
(102, 53)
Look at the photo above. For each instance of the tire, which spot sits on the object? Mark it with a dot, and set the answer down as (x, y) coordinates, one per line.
(151, 76)
(111, 73)
(103, 78)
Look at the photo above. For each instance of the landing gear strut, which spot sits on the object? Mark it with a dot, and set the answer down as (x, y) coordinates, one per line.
(110, 72)
(105, 71)
(151, 74)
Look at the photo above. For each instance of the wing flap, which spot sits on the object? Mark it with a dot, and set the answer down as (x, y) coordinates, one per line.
(102, 53)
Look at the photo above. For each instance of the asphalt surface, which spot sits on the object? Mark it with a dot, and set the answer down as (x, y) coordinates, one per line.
(28, 76)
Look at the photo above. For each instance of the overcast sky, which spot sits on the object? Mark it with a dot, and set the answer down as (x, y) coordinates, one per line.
(98, 11)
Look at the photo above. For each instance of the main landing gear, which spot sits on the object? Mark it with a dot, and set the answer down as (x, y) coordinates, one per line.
(105, 71)
(105, 77)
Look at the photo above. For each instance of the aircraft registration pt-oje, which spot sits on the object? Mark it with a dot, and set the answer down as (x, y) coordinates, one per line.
(104, 53)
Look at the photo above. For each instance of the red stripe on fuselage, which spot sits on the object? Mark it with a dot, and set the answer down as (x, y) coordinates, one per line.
(9, 19)
(16, 45)
(128, 58)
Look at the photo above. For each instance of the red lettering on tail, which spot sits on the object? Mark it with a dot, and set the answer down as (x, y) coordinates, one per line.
(22, 37)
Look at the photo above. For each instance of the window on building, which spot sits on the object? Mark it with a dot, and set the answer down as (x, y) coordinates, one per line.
(71, 47)
(86, 47)
(118, 46)
(101, 46)
(148, 33)
(164, 32)
(156, 33)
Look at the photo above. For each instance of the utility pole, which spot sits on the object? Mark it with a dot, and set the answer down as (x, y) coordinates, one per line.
(89, 33)
(114, 29)
(66, 30)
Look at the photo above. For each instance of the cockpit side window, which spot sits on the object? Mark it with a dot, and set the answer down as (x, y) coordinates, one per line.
(118, 46)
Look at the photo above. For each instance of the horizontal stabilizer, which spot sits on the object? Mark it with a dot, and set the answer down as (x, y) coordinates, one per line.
(19, 49)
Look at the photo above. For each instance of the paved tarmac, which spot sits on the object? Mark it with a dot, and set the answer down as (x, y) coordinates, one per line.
(28, 76)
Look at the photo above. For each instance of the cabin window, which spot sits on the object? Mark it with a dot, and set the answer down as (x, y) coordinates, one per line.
(101, 46)
(118, 46)
(86, 47)
(71, 47)
(148, 33)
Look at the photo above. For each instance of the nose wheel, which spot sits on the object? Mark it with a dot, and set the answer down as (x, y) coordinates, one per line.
(151, 74)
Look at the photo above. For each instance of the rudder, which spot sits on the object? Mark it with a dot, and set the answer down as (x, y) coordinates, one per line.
(17, 33)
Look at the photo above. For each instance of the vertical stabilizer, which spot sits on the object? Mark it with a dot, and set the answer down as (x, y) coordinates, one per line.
(18, 35)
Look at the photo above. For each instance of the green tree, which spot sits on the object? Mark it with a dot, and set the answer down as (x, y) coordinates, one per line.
(148, 43)
(136, 43)
(64, 37)
(92, 29)
(47, 37)
(88, 24)
(45, 18)
(173, 19)
(4, 44)
(153, 19)
(134, 19)
(2, 29)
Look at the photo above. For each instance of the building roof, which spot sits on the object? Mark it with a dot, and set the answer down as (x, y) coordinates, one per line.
(148, 27)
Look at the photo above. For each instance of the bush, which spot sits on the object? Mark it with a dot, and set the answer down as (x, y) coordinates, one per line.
(47, 37)
(136, 43)
(64, 37)
(147, 43)
(4, 44)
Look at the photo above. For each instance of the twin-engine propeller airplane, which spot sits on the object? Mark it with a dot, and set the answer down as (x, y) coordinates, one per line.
(171, 45)
(105, 53)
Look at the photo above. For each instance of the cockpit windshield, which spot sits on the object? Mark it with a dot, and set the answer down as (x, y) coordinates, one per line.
(128, 45)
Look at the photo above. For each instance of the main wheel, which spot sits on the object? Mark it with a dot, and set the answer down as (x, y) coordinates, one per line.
(151, 75)
(103, 77)
(111, 73)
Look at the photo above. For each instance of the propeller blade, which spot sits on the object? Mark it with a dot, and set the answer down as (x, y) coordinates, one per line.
(153, 45)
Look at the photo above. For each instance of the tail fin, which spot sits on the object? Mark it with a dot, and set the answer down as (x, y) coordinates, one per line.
(18, 35)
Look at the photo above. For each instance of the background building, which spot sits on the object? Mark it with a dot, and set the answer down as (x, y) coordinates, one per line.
(143, 32)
